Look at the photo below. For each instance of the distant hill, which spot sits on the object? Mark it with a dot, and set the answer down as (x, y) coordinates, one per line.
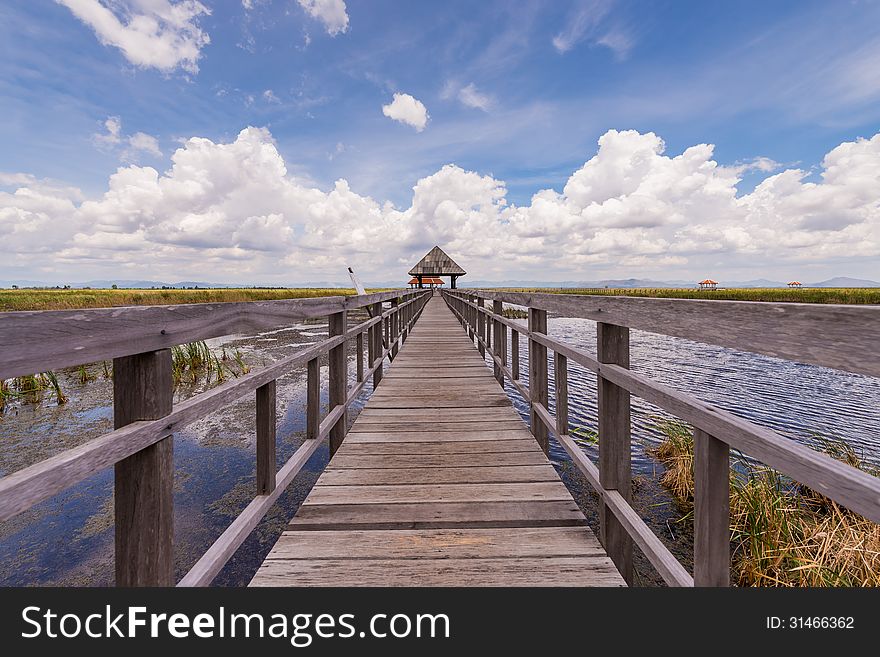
(844, 281)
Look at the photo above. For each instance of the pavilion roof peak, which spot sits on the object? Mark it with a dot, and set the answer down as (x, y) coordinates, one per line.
(437, 263)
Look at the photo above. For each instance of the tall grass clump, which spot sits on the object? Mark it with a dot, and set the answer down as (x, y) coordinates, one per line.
(191, 361)
(782, 532)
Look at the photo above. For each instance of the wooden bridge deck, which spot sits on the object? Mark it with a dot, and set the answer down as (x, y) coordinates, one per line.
(438, 483)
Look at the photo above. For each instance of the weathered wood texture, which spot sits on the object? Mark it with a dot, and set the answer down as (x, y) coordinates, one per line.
(438, 483)
(143, 482)
(40, 340)
(266, 419)
(615, 470)
(711, 511)
(538, 393)
(338, 377)
(842, 337)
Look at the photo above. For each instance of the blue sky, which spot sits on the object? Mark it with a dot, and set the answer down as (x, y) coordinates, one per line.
(517, 93)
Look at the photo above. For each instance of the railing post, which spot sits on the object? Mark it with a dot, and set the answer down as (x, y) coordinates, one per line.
(313, 399)
(395, 318)
(469, 313)
(514, 353)
(266, 419)
(497, 307)
(377, 346)
(560, 377)
(711, 510)
(338, 375)
(359, 346)
(614, 445)
(481, 327)
(538, 376)
(143, 482)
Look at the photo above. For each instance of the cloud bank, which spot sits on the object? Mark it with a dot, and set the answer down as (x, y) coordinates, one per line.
(232, 211)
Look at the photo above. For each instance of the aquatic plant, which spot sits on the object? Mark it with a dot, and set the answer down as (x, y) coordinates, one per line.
(52, 379)
(84, 375)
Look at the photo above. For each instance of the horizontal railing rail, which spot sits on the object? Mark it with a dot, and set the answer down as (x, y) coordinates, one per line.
(138, 340)
(815, 334)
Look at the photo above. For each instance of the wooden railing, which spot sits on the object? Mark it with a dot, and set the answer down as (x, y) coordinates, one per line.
(841, 337)
(138, 339)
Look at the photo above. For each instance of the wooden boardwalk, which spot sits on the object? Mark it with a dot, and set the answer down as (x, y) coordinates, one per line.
(438, 483)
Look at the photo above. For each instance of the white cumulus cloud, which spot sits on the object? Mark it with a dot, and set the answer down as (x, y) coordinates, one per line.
(161, 34)
(332, 13)
(234, 208)
(131, 145)
(406, 109)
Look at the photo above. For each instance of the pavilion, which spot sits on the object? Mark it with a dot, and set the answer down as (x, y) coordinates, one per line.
(436, 263)
(708, 284)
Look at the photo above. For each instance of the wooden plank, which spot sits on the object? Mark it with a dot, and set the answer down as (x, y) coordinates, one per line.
(143, 482)
(470, 474)
(471, 448)
(438, 515)
(531, 571)
(438, 427)
(615, 470)
(498, 435)
(416, 402)
(711, 511)
(266, 419)
(414, 459)
(501, 542)
(437, 493)
(372, 415)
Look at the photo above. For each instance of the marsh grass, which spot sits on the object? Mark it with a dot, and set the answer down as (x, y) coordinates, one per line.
(782, 533)
(194, 360)
(59, 299)
(30, 389)
(846, 295)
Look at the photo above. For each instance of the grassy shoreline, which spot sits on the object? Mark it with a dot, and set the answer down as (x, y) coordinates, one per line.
(73, 299)
(70, 299)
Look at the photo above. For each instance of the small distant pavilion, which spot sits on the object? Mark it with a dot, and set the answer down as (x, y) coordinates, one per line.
(436, 263)
(794, 284)
(708, 284)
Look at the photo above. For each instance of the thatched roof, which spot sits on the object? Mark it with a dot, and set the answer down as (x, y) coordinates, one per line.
(436, 263)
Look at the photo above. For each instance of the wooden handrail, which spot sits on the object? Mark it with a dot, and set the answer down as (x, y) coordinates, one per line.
(135, 437)
(842, 337)
(40, 340)
(716, 430)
